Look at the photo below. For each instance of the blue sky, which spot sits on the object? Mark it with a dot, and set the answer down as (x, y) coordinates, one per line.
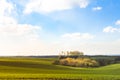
(47, 27)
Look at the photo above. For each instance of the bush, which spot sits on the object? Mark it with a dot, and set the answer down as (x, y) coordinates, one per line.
(56, 62)
(79, 62)
(87, 62)
(64, 62)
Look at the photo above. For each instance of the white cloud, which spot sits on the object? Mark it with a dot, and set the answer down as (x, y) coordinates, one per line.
(5, 8)
(78, 36)
(9, 25)
(111, 29)
(48, 6)
(15, 37)
(7, 20)
(117, 22)
(17, 29)
(97, 8)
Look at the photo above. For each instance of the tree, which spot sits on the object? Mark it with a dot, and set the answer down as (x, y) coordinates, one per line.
(73, 54)
(76, 53)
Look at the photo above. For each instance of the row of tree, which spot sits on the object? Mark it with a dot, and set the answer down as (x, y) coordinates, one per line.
(70, 54)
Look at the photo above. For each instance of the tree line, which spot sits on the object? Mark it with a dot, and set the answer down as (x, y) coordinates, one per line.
(78, 59)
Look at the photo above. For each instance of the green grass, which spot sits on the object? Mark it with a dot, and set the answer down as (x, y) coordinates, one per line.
(41, 68)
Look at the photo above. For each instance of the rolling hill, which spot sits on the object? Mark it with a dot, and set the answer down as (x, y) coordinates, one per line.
(42, 68)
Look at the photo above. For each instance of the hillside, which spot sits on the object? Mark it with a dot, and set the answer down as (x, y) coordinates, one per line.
(41, 68)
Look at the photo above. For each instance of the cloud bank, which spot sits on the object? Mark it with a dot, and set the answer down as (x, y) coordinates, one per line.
(48, 6)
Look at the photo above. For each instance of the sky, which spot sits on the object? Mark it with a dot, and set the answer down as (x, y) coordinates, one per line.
(47, 27)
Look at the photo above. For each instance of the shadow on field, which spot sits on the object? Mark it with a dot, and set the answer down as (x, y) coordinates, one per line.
(27, 65)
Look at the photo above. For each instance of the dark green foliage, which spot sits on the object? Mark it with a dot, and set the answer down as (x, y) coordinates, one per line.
(56, 62)
(106, 60)
(117, 59)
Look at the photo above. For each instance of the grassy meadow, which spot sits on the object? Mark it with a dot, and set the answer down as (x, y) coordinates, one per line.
(43, 69)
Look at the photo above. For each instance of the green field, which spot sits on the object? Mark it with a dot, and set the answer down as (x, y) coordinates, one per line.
(43, 69)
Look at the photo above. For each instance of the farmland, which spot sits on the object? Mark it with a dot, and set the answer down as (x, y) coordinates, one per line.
(42, 68)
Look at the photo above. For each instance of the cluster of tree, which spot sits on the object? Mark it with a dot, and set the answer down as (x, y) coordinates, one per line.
(78, 59)
(78, 62)
(108, 60)
(117, 59)
(72, 54)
